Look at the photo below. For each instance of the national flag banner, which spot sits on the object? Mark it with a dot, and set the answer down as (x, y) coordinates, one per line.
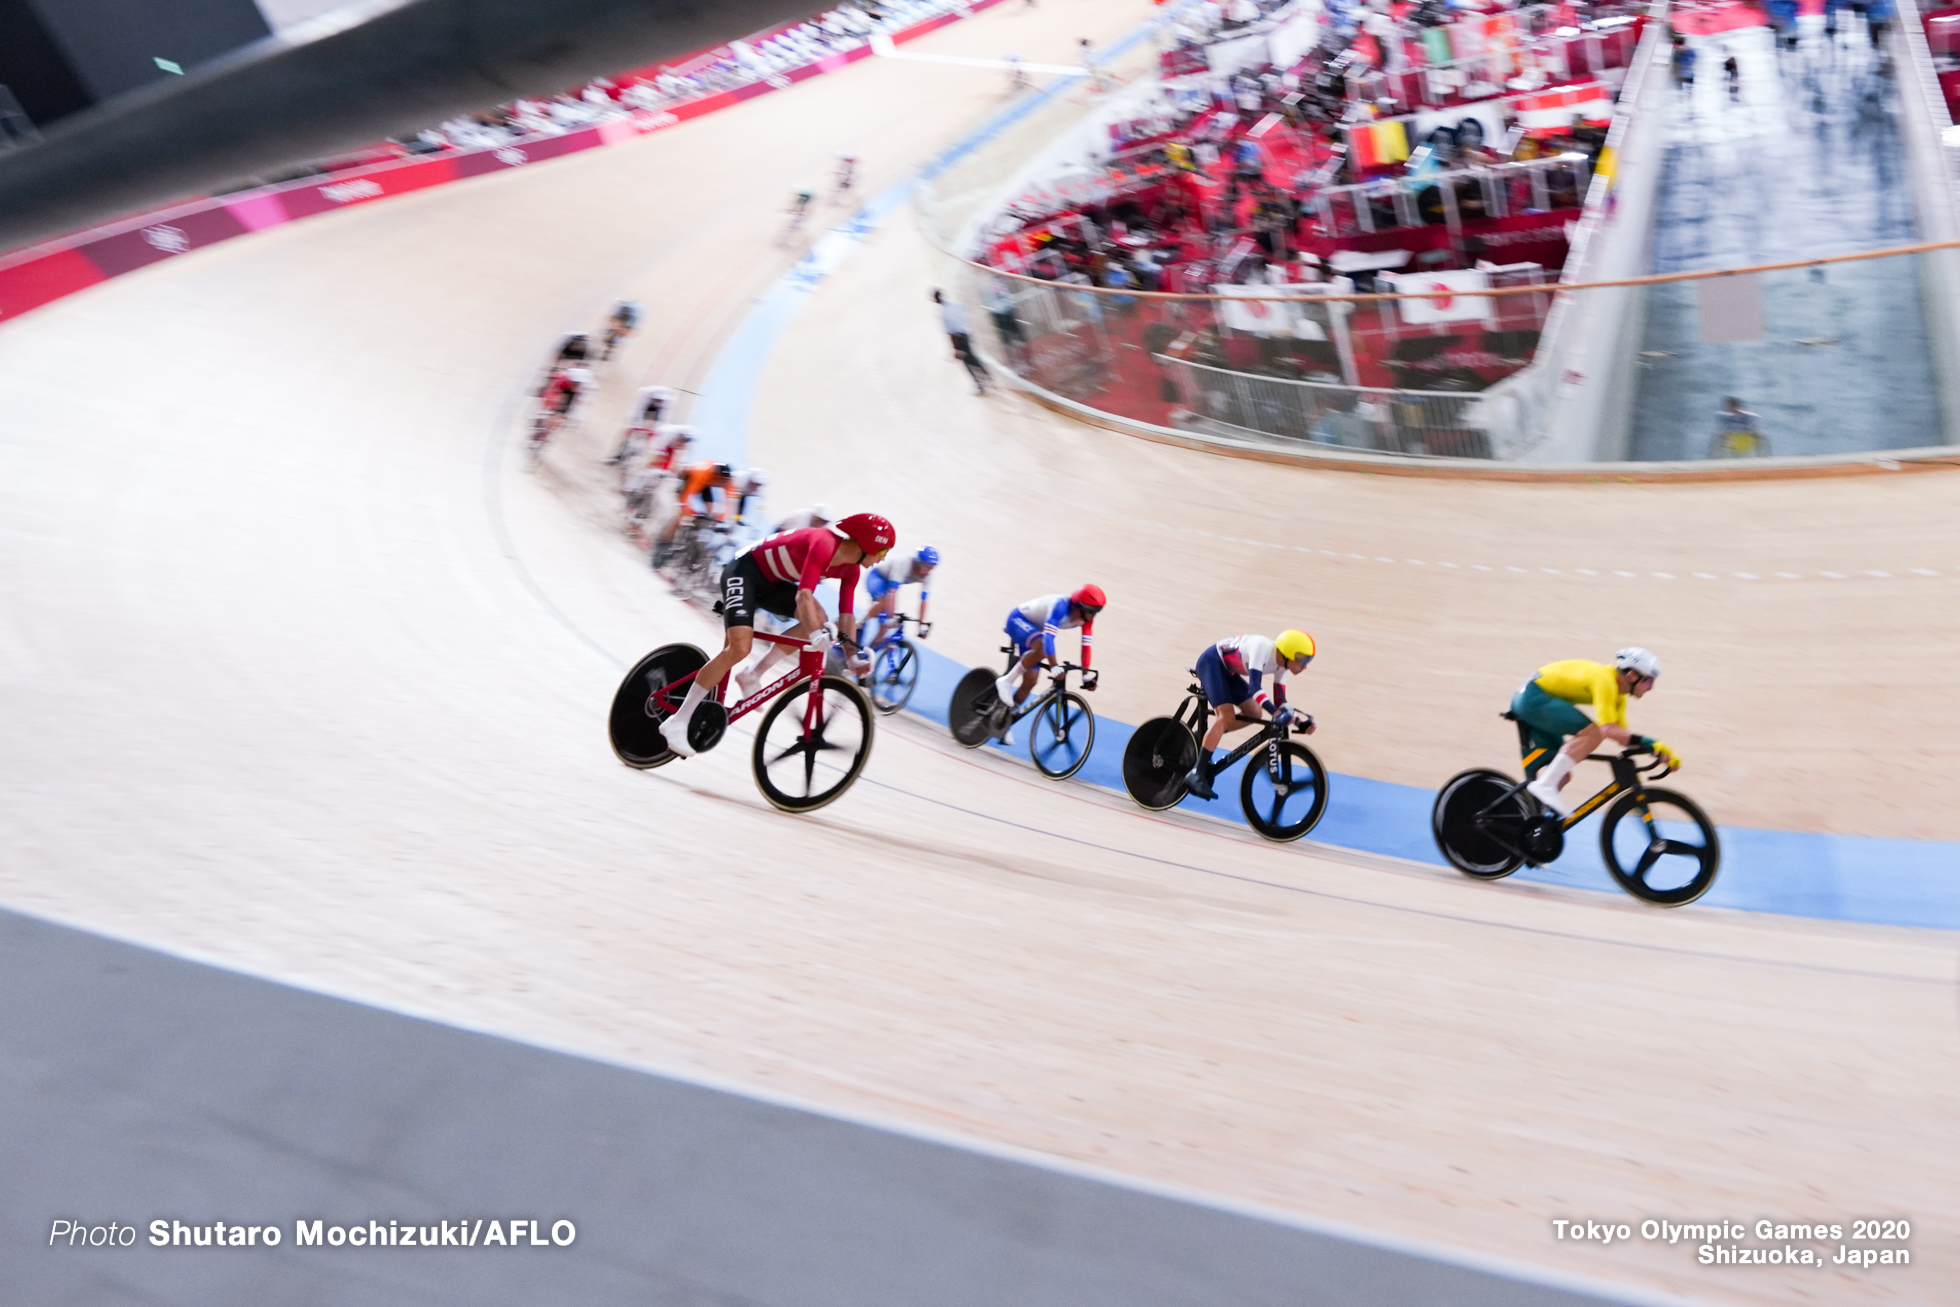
(1436, 45)
(1376, 145)
(1557, 109)
(1391, 141)
(1450, 306)
(1264, 317)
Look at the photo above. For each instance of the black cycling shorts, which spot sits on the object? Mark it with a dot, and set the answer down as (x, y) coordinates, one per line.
(744, 589)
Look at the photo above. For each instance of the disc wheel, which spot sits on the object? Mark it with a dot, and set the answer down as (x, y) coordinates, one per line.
(1660, 847)
(1479, 821)
(894, 675)
(1286, 805)
(1061, 734)
(974, 699)
(800, 770)
(1160, 752)
(640, 704)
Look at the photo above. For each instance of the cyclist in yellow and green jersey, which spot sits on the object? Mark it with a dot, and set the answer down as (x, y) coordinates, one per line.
(1561, 736)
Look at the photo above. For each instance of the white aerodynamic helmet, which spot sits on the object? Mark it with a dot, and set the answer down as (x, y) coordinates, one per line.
(824, 511)
(1635, 659)
(757, 476)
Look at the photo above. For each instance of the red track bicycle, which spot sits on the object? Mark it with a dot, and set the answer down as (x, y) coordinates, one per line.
(813, 742)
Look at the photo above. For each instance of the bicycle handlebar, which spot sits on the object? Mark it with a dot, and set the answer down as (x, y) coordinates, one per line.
(1658, 768)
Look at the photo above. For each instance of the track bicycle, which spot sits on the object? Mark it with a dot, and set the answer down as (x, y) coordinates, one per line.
(1283, 792)
(693, 559)
(895, 664)
(1062, 732)
(1658, 845)
(547, 423)
(811, 747)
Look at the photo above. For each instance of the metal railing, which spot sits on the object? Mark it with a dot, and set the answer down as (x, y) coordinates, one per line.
(1480, 192)
(1424, 423)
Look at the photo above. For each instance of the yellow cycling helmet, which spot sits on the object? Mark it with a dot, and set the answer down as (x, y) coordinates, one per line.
(1294, 644)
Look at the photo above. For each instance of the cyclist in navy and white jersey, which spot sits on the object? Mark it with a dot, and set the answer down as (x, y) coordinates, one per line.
(1235, 675)
(883, 582)
(1033, 628)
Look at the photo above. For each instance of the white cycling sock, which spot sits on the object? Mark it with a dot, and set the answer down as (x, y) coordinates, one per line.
(1005, 686)
(696, 692)
(1557, 770)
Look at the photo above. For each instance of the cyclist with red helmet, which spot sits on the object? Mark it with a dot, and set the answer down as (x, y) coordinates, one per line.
(780, 575)
(1033, 627)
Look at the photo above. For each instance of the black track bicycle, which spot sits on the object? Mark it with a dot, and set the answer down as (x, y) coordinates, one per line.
(1283, 791)
(1061, 729)
(1658, 845)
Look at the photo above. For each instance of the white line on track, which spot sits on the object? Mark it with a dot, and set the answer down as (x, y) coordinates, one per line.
(1588, 572)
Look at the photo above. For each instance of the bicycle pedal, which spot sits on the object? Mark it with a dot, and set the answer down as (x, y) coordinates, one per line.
(708, 725)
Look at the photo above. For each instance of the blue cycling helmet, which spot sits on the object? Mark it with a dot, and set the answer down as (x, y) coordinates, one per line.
(927, 555)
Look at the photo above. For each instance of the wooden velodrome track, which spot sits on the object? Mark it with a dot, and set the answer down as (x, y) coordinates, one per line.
(306, 677)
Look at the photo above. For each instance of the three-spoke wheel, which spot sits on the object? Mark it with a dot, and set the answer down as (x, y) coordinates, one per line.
(894, 675)
(1155, 761)
(807, 753)
(1060, 735)
(642, 703)
(1479, 822)
(1660, 846)
(1284, 790)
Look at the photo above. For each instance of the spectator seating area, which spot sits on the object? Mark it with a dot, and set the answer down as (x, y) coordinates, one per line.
(767, 56)
(1306, 149)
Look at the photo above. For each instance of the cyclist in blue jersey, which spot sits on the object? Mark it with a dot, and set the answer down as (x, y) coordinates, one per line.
(883, 582)
(1033, 628)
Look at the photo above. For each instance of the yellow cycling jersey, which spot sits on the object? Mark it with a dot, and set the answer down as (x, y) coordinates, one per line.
(1580, 680)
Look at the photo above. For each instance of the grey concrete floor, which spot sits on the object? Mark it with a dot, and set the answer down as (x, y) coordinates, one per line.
(1806, 161)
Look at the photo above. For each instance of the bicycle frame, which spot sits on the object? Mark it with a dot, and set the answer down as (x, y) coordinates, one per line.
(1057, 685)
(1200, 720)
(809, 667)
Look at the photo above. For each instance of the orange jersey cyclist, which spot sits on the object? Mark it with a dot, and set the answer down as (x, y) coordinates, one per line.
(1547, 706)
(1235, 675)
(1033, 627)
(780, 575)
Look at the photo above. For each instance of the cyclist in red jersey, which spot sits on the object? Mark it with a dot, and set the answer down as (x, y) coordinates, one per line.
(780, 575)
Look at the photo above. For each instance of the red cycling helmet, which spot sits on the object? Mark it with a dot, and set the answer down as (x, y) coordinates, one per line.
(1090, 598)
(868, 531)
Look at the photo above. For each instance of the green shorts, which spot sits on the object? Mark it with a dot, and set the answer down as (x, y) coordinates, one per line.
(1548, 721)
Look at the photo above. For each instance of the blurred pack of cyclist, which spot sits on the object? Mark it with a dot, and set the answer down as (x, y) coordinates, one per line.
(1032, 628)
(1244, 680)
(651, 461)
(649, 406)
(625, 317)
(780, 575)
(563, 387)
(1560, 736)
